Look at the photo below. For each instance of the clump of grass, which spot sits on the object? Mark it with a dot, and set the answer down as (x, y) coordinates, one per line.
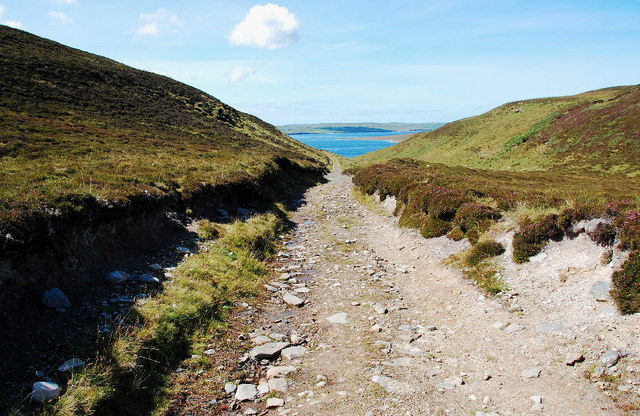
(473, 215)
(208, 230)
(626, 285)
(456, 234)
(532, 238)
(433, 227)
(482, 251)
(129, 375)
(487, 279)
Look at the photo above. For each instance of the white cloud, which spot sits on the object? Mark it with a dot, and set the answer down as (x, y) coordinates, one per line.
(239, 73)
(1, 9)
(266, 26)
(66, 2)
(14, 24)
(162, 20)
(60, 16)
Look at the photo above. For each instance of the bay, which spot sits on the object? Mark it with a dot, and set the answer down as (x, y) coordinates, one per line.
(339, 143)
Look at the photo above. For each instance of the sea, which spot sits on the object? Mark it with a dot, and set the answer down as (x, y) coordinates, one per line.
(339, 142)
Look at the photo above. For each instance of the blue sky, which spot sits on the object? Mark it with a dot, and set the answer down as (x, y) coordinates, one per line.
(308, 61)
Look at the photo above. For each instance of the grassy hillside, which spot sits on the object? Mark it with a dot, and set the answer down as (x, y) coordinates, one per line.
(594, 131)
(78, 130)
(357, 127)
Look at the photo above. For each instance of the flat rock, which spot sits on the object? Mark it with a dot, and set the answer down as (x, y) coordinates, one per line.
(513, 328)
(261, 340)
(71, 364)
(548, 327)
(246, 392)
(531, 373)
(43, 391)
(280, 371)
(278, 384)
(291, 353)
(338, 318)
(230, 388)
(274, 402)
(55, 298)
(116, 277)
(390, 385)
(146, 278)
(600, 291)
(268, 351)
(574, 358)
(610, 358)
(292, 300)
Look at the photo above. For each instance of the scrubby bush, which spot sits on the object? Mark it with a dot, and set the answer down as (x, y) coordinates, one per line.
(440, 202)
(532, 238)
(604, 234)
(475, 215)
(626, 285)
(434, 227)
(482, 251)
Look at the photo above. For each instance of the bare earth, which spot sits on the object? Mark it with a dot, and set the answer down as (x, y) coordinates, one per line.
(418, 339)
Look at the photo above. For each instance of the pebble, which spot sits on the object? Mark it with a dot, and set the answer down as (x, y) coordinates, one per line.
(389, 384)
(55, 299)
(246, 392)
(229, 388)
(43, 391)
(146, 278)
(338, 318)
(574, 358)
(380, 309)
(375, 328)
(209, 351)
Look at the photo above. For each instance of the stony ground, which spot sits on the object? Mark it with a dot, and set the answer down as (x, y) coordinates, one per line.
(364, 318)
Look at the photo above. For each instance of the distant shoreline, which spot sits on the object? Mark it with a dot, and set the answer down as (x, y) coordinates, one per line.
(394, 138)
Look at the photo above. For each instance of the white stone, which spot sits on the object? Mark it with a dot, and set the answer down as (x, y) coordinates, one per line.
(267, 351)
(531, 373)
(512, 328)
(278, 384)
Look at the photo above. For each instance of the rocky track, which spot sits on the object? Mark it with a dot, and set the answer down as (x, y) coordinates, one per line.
(372, 322)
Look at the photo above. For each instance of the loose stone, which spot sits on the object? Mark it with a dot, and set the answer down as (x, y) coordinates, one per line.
(531, 373)
(43, 391)
(71, 364)
(291, 353)
(280, 371)
(267, 351)
(338, 318)
(246, 392)
(292, 300)
(55, 299)
(274, 402)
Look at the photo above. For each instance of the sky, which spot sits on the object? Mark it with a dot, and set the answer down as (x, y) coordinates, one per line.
(314, 61)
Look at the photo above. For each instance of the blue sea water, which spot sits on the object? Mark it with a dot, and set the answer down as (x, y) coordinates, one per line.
(339, 142)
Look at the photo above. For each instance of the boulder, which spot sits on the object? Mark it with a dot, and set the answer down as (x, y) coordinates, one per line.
(246, 392)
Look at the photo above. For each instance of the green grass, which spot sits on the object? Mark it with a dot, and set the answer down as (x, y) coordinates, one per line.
(129, 375)
(596, 131)
(82, 133)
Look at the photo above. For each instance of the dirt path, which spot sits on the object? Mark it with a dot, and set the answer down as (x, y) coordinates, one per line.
(409, 335)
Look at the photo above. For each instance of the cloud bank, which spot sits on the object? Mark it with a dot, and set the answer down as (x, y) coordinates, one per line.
(239, 73)
(60, 17)
(160, 21)
(266, 26)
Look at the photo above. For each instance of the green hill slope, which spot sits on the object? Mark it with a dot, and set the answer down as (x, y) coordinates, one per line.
(593, 131)
(78, 130)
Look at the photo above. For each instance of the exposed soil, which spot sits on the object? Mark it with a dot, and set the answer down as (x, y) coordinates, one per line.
(421, 340)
